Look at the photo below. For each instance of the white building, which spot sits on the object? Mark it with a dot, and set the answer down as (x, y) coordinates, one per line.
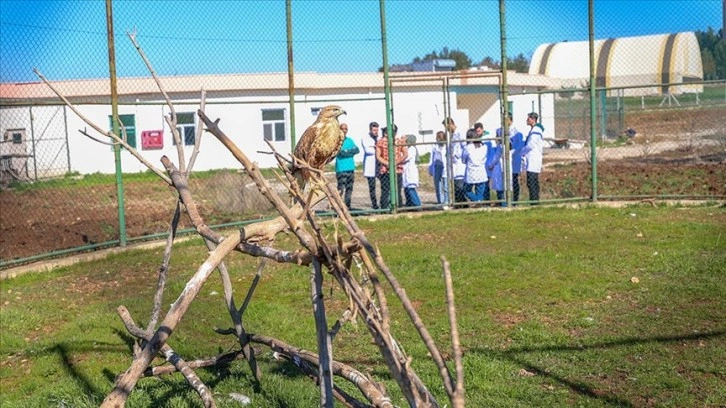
(252, 108)
(655, 60)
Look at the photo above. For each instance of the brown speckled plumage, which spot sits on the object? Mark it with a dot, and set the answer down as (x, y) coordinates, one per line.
(320, 143)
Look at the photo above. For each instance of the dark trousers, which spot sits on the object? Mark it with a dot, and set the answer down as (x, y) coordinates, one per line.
(386, 190)
(372, 192)
(459, 190)
(515, 187)
(533, 186)
(345, 186)
(500, 197)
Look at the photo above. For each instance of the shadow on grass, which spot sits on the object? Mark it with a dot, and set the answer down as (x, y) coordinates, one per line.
(515, 355)
(66, 351)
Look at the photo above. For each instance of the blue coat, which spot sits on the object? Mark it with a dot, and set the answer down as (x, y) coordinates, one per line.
(344, 160)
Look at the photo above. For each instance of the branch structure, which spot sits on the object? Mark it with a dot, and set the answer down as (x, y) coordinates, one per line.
(347, 257)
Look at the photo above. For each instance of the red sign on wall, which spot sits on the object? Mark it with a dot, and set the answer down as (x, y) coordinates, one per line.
(152, 139)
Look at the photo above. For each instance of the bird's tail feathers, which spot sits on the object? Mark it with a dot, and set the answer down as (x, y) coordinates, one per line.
(299, 178)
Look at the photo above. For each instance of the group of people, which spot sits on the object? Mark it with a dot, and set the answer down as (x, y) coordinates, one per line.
(477, 164)
(377, 166)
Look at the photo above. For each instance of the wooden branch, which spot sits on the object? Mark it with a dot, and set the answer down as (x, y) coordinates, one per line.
(457, 397)
(235, 315)
(126, 382)
(411, 385)
(217, 360)
(325, 348)
(370, 389)
(164, 269)
(401, 294)
(86, 134)
(417, 323)
(171, 119)
(253, 286)
(199, 131)
(265, 230)
(171, 356)
(98, 129)
(288, 215)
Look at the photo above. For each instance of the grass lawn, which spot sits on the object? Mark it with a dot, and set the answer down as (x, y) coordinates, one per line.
(586, 306)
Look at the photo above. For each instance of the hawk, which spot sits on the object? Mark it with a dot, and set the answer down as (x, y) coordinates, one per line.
(320, 143)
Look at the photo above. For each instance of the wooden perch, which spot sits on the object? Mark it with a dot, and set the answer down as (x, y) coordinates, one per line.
(335, 255)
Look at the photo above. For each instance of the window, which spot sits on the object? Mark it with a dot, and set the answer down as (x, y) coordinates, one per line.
(273, 125)
(129, 124)
(186, 127)
(14, 136)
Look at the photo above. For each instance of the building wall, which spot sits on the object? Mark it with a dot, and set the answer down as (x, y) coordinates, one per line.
(418, 112)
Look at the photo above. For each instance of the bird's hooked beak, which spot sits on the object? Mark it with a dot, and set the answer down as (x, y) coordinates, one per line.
(343, 112)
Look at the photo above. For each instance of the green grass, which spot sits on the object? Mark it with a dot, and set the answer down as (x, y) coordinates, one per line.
(74, 179)
(546, 291)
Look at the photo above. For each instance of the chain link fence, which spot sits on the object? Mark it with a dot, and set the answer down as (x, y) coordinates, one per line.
(653, 124)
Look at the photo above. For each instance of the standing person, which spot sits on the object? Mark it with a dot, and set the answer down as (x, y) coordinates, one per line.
(516, 143)
(410, 174)
(481, 133)
(370, 165)
(400, 153)
(458, 166)
(345, 166)
(438, 168)
(532, 155)
(474, 156)
(495, 164)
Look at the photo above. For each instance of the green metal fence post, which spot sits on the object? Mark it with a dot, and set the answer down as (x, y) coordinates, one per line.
(504, 107)
(115, 124)
(32, 140)
(290, 73)
(389, 114)
(65, 132)
(593, 136)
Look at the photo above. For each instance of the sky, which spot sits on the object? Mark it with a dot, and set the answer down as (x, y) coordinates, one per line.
(68, 39)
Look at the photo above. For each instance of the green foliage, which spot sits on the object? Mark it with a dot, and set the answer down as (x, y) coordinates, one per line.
(462, 60)
(548, 309)
(713, 53)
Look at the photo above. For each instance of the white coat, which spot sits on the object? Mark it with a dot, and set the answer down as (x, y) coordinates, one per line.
(368, 147)
(410, 169)
(532, 150)
(475, 158)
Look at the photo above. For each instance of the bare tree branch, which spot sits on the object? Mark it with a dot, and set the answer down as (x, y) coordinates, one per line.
(325, 348)
(199, 131)
(171, 356)
(98, 129)
(164, 269)
(171, 120)
(457, 397)
(126, 382)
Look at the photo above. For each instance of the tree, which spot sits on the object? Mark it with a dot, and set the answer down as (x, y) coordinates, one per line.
(709, 65)
(520, 63)
(490, 62)
(460, 58)
(713, 53)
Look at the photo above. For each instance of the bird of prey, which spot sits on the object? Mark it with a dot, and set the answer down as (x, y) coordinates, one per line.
(320, 143)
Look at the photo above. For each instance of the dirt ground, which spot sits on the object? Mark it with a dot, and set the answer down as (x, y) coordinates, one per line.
(38, 221)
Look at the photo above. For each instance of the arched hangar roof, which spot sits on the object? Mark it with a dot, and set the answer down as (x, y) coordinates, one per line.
(626, 62)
